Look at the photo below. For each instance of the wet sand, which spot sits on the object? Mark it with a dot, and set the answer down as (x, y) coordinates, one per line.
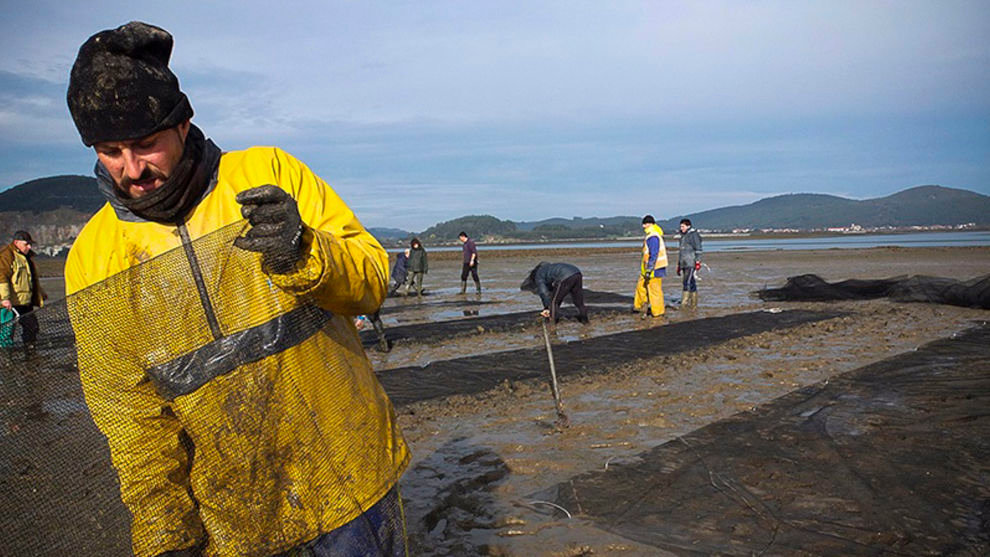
(479, 458)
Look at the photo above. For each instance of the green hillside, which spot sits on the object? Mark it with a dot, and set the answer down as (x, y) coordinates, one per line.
(55, 208)
(47, 194)
(476, 226)
(579, 223)
(918, 206)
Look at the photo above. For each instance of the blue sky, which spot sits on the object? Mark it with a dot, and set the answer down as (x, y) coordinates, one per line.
(417, 112)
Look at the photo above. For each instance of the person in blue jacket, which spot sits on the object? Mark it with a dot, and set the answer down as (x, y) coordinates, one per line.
(399, 271)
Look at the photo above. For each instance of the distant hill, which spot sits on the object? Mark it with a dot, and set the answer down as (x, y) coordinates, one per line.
(47, 194)
(918, 206)
(53, 209)
(487, 227)
(476, 226)
(390, 237)
(389, 233)
(577, 223)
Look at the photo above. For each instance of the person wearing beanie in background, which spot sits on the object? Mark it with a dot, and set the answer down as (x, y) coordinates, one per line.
(653, 267)
(689, 263)
(266, 433)
(20, 289)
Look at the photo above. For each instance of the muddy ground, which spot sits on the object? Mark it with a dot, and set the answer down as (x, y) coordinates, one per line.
(478, 459)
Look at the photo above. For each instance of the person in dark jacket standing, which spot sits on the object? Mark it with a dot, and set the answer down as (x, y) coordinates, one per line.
(689, 263)
(417, 265)
(399, 271)
(470, 264)
(552, 282)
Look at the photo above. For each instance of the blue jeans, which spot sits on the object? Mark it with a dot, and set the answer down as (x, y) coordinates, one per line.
(378, 532)
(687, 276)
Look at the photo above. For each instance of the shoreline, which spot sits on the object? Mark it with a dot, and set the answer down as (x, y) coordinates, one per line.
(52, 267)
(715, 236)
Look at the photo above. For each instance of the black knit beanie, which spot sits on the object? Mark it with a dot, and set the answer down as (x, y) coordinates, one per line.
(121, 88)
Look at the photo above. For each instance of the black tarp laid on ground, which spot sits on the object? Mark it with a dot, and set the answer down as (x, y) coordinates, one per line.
(590, 296)
(475, 374)
(443, 330)
(892, 458)
(600, 297)
(973, 293)
(438, 331)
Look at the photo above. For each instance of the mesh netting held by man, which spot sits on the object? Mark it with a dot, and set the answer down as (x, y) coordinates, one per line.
(218, 356)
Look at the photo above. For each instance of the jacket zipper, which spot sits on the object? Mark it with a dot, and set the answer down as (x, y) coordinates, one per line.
(204, 298)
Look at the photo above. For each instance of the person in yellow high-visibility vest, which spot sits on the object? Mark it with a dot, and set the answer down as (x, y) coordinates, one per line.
(652, 270)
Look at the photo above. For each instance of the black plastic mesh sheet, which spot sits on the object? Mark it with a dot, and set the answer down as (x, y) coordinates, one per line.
(889, 459)
(476, 374)
(974, 293)
(439, 331)
(187, 401)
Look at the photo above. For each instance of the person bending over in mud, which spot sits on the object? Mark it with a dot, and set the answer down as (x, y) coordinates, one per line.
(554, 281)
(240, 416)
(399, 271)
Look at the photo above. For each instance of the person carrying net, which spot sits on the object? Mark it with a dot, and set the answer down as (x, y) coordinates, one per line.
(217, 355)
(20, 290)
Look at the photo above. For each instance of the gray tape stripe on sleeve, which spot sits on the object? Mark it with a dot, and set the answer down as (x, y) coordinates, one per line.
(191, 371)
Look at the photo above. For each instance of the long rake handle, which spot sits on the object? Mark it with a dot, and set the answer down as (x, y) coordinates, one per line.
(553, 376)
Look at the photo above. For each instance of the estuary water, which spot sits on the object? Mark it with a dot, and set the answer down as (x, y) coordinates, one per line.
(743, 243)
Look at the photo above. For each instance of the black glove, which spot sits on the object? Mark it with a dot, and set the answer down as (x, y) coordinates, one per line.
(276, 229)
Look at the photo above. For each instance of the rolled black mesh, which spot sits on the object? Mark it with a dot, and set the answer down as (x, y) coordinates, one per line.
(935, 290)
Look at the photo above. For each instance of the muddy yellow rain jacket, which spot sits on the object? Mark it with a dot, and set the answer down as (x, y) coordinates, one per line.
(239, 408)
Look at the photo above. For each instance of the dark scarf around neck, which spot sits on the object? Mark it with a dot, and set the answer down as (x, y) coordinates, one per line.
(185, 187)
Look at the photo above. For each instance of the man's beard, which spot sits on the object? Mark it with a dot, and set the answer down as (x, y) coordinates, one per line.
(149, 174)
(185, 184)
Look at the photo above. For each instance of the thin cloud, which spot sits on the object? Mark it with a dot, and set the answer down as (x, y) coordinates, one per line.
(423, 112)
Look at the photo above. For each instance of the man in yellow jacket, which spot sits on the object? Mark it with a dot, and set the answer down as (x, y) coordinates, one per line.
(218, 356)
(653, 267)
